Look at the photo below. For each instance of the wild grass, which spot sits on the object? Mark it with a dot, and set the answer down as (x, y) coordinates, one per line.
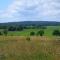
(37, 48)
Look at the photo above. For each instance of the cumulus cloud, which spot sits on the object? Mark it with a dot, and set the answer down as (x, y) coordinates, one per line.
(23, 10)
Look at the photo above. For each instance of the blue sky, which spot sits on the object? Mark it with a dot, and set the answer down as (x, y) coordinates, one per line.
(4, 4)
(29, 10)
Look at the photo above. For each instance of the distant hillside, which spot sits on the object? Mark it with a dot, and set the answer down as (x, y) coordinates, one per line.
(24, 23)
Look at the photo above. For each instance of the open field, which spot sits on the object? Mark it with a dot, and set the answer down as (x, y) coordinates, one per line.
(26, 32)
(37, 48)
(19, 45)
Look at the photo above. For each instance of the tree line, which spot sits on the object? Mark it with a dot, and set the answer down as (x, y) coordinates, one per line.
(38, 33)
(4, 30)
(21, 27)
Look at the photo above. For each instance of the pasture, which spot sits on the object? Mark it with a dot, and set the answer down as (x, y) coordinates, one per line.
(26, 32)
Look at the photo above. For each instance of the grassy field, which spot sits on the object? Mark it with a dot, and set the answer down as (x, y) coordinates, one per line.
(37, 48)
(26, 32)
(19, 45)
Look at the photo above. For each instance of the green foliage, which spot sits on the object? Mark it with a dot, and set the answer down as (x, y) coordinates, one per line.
(19, 28)
(41, 32)
(32, 33)
(5, 31)
(12, 28)
(3, 27)
(24, 31)
(1, 33)
(56, 33)
(15, 28)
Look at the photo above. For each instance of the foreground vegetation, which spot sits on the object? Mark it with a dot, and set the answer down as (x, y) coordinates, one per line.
(30, 43)
(35, 48)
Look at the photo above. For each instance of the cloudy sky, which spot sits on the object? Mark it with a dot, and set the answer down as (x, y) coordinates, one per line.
(29, 10)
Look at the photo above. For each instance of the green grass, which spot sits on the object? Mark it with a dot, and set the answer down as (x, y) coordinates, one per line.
(15, 46)
(50, 29)
(26, 32)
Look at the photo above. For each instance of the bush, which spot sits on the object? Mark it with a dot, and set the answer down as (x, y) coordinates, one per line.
(20, 28)
(32, 33)
(5, 31)
(12, 28)
(41, 33)
(1, 33)
(56, 33)
(28, 38)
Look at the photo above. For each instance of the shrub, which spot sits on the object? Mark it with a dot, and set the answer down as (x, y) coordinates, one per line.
(5, 31)
(32, 33)
(20, 28)
(28, 38)
(41, 33)
(12, 28)
(0, 33)
(56, 33)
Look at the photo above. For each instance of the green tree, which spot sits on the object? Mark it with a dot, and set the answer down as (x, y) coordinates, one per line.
(5, 31)
(56, 33)
(32, 33)
(41, 32)
(19, 28)
(12, 28)
(1, 33)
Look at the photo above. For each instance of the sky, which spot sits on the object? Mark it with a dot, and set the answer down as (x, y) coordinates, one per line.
(29, 10)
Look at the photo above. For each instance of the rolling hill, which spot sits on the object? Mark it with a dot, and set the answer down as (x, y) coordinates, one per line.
(28, 23)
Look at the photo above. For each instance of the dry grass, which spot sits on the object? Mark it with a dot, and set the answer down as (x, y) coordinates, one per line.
(38, 48)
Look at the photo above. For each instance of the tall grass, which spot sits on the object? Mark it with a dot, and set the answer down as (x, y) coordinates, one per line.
(38, 48)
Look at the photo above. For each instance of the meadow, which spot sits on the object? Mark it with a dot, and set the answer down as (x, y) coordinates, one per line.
(37, 48)
(26, 32)
(19, 45)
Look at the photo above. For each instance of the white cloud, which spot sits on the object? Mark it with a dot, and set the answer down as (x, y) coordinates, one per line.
(32, 10)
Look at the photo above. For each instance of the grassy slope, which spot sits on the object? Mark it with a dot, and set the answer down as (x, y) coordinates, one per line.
(50, 29)
(18, 48)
